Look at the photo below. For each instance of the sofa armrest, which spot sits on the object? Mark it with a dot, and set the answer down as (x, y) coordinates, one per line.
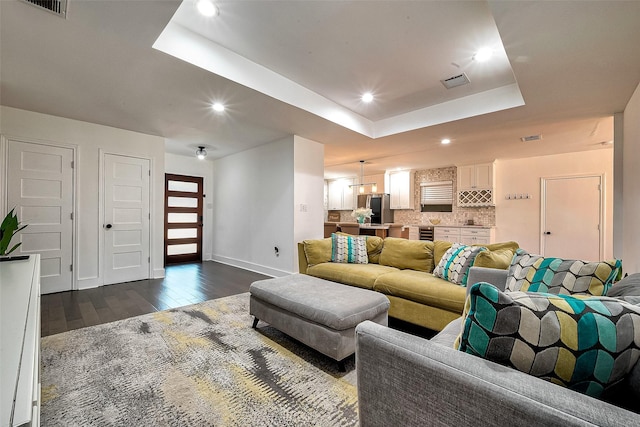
(496, 277)
(302, 259)
(406, 380)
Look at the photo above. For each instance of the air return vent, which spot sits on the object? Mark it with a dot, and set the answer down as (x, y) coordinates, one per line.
(59, 7)
(455, 81)
(531, 138)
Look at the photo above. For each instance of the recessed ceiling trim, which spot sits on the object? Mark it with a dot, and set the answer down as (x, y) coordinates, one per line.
(183, 43)
(490, 101)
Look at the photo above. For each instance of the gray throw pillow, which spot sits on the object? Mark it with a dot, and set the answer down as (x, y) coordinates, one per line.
(629, 286)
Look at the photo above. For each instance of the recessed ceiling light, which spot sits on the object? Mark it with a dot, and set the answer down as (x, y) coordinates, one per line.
(483, 54)
(207, 8)
(445, 141)
(367, 97)
(218, 107)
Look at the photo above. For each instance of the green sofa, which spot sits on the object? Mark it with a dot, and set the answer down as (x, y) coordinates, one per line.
(403, 270)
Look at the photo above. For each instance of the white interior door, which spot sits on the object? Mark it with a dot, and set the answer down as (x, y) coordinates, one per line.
(40, 187)
(572, 218)
(126, 219)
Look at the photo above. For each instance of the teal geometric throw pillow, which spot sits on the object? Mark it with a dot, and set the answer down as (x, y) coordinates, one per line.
(349, 249)
(582, 342)
(535, 273)
(455, 263)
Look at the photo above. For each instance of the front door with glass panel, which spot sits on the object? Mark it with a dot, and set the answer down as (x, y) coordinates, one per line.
(183, 219)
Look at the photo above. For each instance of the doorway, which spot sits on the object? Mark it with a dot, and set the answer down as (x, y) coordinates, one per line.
(184, 196)
(572, 217)
(127, 218)
(40, 185)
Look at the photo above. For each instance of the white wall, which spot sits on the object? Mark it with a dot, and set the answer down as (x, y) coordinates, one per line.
(308, 192)
(89, 139)
(631, 189)
(253, 208)
(192, 166)
(519, 220)
(258, 195)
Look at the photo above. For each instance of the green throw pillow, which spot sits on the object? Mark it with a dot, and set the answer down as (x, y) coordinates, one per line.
(500, 259)
(349, 249)
(317, 251)
(535, 273)
(582, 342)
(455, 263)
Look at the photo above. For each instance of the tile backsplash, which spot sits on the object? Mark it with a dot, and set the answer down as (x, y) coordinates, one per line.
(485, 215)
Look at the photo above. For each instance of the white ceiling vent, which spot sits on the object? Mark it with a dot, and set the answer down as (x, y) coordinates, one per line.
(455, 81)
(59, 7)
(531, 138)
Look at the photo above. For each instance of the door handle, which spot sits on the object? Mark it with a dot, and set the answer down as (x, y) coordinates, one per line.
(547, 232)
(108, 226)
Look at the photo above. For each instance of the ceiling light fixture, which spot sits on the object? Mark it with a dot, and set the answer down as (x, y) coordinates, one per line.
(374, 185)
(201, 153)
(445, 141)
(207, 8)
(367, 97)
(218, 107)
(483, 55)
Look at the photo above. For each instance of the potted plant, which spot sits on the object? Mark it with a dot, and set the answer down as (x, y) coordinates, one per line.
(361, 214)
(10, 227)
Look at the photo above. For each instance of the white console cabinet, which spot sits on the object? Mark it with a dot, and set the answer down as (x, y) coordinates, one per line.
(20, 342)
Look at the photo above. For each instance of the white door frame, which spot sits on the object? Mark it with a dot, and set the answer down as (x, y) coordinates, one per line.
(4, 158)
(543, 207)
(101, 191)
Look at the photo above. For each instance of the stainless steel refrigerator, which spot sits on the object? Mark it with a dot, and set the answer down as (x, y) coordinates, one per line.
(379, 204)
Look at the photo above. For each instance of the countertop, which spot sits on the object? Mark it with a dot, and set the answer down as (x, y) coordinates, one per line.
(448, 225)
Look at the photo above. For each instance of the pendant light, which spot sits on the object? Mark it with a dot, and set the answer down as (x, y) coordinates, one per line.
(361, 185)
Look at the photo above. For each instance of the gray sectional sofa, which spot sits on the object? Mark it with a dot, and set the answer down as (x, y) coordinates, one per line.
(406, 380)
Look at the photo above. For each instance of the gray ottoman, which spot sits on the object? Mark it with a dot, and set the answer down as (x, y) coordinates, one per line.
(319, 313)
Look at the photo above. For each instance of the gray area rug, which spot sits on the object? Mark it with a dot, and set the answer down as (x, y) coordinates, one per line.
(199, 365)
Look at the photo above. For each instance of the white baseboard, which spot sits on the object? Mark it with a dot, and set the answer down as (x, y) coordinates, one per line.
(257, 268)
(88, 283)
(158, 273)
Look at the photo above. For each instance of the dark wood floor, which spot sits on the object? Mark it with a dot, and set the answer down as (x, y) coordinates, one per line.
(183, 285)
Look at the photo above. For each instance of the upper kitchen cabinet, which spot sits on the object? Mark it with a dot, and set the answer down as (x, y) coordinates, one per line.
(401, 189)
(475, 176)
(340, 194)
(475, 185)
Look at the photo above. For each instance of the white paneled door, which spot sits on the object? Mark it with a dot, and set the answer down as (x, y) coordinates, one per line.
(572, 218)
(126, 219)
(40, 187)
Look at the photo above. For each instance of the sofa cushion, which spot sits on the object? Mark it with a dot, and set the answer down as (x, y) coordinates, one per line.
(349, 249)
(582, 342)
(535, 273)
(441, 246)
(317, 251)
(455, 263)
(422, 288)
(407, 254)
(360, 275)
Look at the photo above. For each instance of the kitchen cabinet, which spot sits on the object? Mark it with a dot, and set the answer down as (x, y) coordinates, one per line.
(475, 176)
(340, 194)
(448, 234)
(466, 235)
(476, 236)
(475, 185)
(401, 189)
